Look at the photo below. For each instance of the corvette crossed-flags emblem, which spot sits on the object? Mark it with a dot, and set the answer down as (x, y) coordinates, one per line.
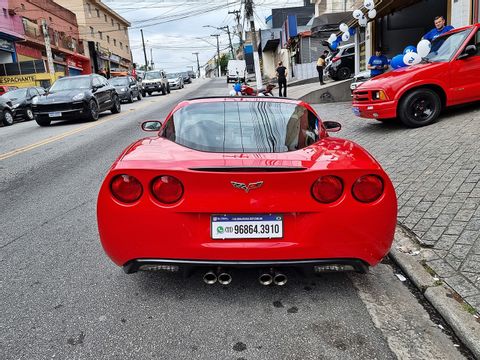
(247, 187)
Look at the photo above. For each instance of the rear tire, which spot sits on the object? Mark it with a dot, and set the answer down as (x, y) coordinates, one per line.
(7, 118)
(117, 107)
(344, 73)
(419, 108)
(43, 122)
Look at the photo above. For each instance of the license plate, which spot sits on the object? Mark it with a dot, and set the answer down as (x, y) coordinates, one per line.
(247, 227)
(356, 111)
(55, 114)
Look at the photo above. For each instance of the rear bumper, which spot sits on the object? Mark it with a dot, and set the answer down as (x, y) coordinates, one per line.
(188, 266)
(375, 110)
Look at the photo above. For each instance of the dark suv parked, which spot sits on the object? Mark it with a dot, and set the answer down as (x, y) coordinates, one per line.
(76, 97)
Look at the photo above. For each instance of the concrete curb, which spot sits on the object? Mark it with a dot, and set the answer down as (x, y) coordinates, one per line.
(408, 254)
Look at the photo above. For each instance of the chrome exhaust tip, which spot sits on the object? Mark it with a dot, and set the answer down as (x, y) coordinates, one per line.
(224, 278)
(265, 279)
(210, 278)
(280, 279)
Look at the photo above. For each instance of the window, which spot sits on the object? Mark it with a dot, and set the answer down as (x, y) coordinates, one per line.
(92, 32)
(106, 20)
(23, 6)
(125, 30)
(118, 24)
(98, 12)
(4, 12)
(126, 47)
(89, 9)
(112, 22)
(114, 42)
(100, 35)
(50, 18)
(108, 39)
(96, 81)
(121, 45)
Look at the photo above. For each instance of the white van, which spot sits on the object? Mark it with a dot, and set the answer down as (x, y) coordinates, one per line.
(236, 69)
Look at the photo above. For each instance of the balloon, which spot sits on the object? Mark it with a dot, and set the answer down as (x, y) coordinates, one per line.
(346, 36)
(237, 87)
(362, 21)
(343, 27)
(332, 38)
(352, 31)
(412, 58)
(369, 4)
(372, 13)
(334, 45)
(233, 93)
(397, 62)
(357, 14)
(409, 48)
(423, 48)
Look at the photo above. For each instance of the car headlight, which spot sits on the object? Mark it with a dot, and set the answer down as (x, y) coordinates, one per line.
(123, 89)
(15, 106)
(379, 95)
(78, 97)
(35, 100)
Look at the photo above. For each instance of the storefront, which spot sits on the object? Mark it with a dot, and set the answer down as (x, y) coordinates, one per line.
(43, 79)
(114, 62)
(78, 65)
(7, 51)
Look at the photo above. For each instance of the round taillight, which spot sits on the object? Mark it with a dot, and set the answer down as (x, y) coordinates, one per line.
(327, 189)
(167, 189)
(126, 188)
(368, 188)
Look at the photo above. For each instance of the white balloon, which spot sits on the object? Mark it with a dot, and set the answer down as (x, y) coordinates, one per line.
(332, 38)
(233, 93)
(346, 36)
(369, 4)
(423, 48)
(412, 58)
(357, 14)
(343, 27)
(363, 21)
(372, 14)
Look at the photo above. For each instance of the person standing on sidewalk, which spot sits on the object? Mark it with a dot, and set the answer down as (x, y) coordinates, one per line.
(320, 67)
(282, 73)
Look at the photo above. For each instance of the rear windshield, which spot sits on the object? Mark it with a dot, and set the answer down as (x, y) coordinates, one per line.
(249, 127)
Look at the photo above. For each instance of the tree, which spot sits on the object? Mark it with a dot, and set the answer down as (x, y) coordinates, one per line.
(224, 62)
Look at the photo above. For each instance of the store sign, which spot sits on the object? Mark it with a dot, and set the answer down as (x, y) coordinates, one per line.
(16, 79)
(72, 62)
(115, 58)
(6, 45)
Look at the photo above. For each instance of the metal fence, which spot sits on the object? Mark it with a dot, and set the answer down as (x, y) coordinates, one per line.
(305, 71)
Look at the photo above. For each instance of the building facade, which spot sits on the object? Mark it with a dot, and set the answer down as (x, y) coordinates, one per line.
(106, 34)
(11, 31)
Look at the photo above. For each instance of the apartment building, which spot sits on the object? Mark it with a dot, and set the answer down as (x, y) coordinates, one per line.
(105, 32)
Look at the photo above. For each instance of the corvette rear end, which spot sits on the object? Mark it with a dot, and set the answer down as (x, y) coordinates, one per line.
(168, 204)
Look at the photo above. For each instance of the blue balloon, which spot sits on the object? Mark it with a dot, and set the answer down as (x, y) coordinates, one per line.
(334, 45)
(397, 62)
(410, 48)
(352, 31)
(237, 87)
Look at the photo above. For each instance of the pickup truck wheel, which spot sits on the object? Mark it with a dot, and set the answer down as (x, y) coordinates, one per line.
(344, 73)
(419, 108)
(7, 118)
(117, 107)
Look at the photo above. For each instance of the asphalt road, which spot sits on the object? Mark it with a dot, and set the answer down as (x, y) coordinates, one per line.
(61, 297)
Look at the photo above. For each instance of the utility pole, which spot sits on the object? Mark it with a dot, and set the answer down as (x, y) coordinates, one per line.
(256, 59)
(219, 71)
(151, 59)
(229, 40)
(239, 30)
(144, 51)
(198, 63)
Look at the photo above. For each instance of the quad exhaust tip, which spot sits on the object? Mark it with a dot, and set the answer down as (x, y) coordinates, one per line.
(224, 278)
(280, 279)
(210, 278)
(265, 279)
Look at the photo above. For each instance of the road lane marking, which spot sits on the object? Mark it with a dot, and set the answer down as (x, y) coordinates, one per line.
(51, 139)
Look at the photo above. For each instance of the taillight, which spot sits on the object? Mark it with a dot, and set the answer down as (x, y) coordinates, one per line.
(368, 188)
(327, 189)
(126, 188)
(335, 59)
(167, 189)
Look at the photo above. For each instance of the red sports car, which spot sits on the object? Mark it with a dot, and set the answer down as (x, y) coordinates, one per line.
(243, 182)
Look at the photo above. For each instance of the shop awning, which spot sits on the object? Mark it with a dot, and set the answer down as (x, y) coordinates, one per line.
(328, 23)
(271, 45)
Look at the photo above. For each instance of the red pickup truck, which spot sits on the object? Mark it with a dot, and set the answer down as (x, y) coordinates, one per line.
(449, 75)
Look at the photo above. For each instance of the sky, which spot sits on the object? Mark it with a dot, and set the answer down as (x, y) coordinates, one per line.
(173, 30)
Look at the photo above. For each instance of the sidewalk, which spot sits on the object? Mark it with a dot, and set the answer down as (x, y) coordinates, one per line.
(436, 174)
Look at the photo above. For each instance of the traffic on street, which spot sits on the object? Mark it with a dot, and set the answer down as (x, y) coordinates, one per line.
(182, 183)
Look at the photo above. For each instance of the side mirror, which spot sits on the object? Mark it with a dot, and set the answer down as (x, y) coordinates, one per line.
(332, 126)
(470, 50)
(153, 125)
